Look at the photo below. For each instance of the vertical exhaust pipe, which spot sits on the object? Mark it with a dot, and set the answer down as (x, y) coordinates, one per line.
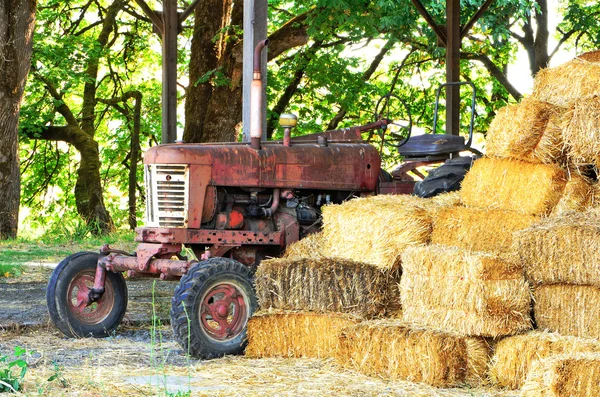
(256, 98)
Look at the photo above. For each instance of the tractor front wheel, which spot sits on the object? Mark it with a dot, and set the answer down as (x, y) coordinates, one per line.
(211, 308)
(67, 298)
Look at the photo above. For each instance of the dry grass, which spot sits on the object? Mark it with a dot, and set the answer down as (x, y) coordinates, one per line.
(568, 309)
(375, 230)
(567, 83)
(310, 246)
(334, 285)
(513, 185)
(514, 356)
(524, 132)
(463, 292)
(478, 229)
(294, 335)
(104, 367)
(392, 349)
(582, 132)
(563, 249)
(566, 375)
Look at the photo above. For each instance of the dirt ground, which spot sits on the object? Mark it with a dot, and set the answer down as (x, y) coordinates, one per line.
(142, 359)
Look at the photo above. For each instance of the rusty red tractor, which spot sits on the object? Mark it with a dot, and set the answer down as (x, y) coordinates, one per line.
(232, 204)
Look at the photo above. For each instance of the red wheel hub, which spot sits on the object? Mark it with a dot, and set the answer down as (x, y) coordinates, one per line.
(223, 311)
(79, 304)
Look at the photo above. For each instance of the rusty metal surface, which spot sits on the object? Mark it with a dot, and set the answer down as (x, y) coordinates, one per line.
(210, 204)
(340, 166)
(200, 176)
(396, 187)
(163, 267)
(208, 237)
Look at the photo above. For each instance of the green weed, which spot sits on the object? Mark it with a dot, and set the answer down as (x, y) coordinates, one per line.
(12, 371)
(159, 361)
(10, 270)
(58, 375)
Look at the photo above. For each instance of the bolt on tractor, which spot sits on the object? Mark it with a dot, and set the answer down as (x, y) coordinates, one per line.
(232, 204)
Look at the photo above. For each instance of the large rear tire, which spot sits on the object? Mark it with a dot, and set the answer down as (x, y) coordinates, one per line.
(446, 178)
(211, 308)
(70, 283)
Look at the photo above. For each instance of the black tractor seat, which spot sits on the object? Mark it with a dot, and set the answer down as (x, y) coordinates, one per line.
(428, 145)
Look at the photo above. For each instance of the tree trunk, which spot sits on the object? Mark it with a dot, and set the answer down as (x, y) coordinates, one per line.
(536, 43)
(204, 57)
(213, 108)
(17, 20)
(88, 188)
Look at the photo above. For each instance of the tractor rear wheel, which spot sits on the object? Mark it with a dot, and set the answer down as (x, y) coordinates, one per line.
(67, 293)
(211, 308)
(446, 178)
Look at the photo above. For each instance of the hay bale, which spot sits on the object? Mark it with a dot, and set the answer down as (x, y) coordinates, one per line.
(562, 249)
(566, 375)
(310, 246)
(444, 200)
(582, 131)
(375, 230)
(513, 185)
(568, 309)
(394, 350)
(567, 83)
(463, 292)
(296, 334)
(523, 132)
(326, 284)
(513, 356)
(578, 195)
(478, 229)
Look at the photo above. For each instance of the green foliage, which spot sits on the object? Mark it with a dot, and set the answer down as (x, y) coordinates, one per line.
(345, 36)
(65, 42)
(12, 370)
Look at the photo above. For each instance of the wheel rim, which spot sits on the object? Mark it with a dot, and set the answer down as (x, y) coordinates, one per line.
(77, 299)
(224, 311)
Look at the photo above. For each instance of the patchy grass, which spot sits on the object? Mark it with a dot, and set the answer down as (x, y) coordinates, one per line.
(10, 270)
(44, 250)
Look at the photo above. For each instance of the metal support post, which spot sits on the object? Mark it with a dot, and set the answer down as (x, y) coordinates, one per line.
(169, 69)
(452, 66)
(255, 30)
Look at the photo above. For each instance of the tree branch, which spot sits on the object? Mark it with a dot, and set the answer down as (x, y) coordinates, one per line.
(495, 72)
(291, 34)
(60, 105)
(365, 77)
(290, 90)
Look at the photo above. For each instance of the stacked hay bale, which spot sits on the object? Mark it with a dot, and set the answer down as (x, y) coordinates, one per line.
(467, 262)
(349, 271)
(564, 376)
(529, 131)
(301, 334)
(401, 351)
(375, 230)
(559, 253)
(472, 294)
(514, 356)
(562, 260)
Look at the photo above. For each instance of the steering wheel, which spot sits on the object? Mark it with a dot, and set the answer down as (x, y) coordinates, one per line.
(393, 108)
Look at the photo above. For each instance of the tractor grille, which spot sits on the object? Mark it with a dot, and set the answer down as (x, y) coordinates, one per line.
(168, 187)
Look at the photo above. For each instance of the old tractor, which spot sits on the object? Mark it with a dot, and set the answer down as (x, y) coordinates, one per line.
(232, 204)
